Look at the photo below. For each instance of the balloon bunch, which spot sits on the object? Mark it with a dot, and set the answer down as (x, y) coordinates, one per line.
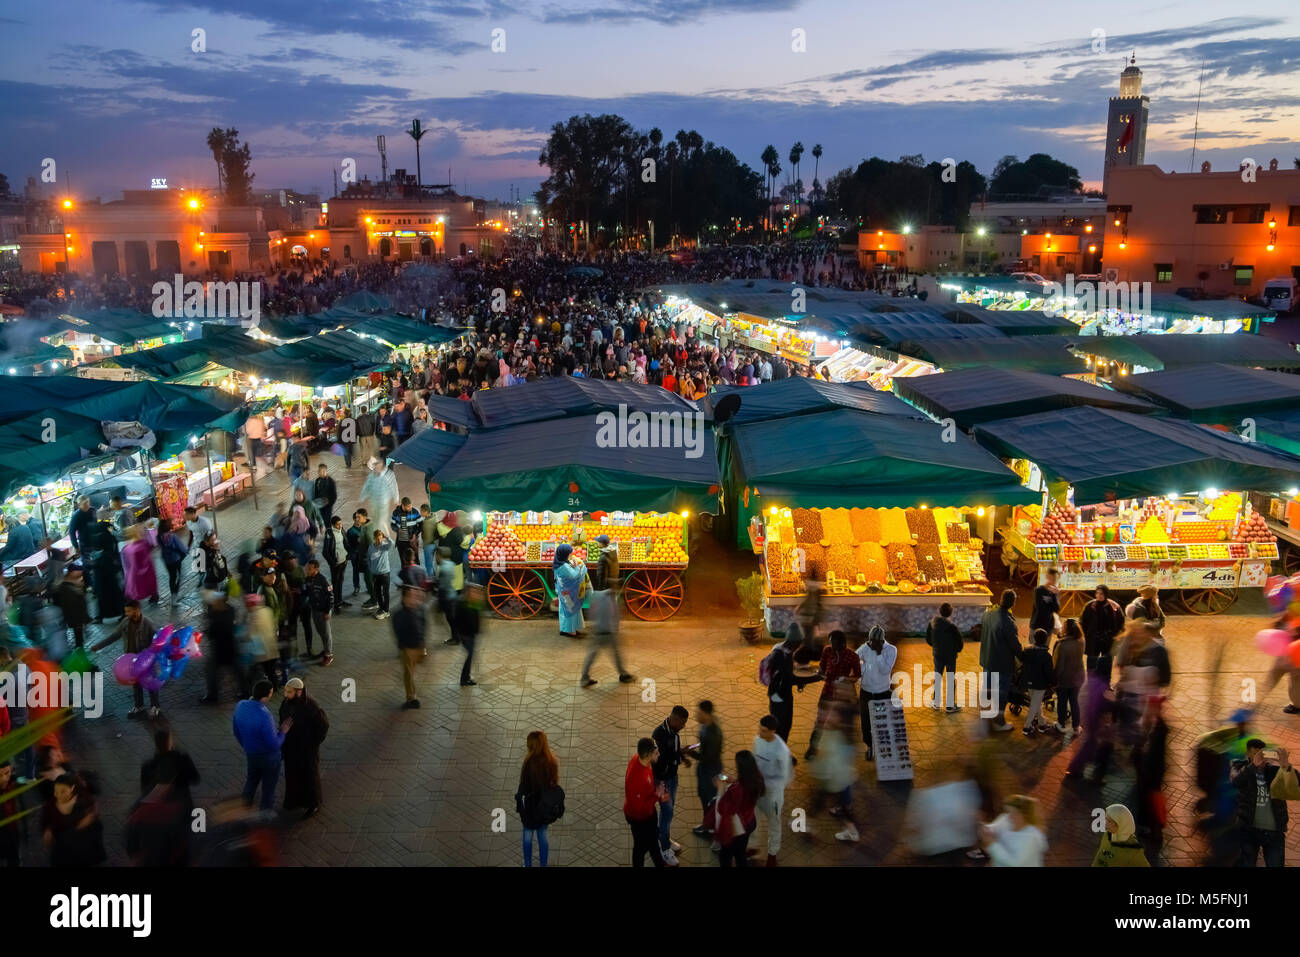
(171, 650)
(1283, 596)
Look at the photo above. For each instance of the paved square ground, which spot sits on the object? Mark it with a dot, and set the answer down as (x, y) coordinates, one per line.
(423, 787)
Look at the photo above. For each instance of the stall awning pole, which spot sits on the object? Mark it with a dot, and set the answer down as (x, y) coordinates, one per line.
(207, 454)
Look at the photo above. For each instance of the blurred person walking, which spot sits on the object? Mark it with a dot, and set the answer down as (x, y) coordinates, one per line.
(1119, 844)
(1015, 838)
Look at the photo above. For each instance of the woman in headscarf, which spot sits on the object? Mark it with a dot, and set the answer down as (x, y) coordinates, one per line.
(302, 500)
(1120, 846)
(107, 562)
(296, 530)
(570, 574)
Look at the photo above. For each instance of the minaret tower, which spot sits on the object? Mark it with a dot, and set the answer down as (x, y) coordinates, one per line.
(1126, 122)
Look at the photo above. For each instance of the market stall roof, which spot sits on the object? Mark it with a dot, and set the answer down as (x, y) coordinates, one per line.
(365, 301)
(996, 283)
(184, 358)
(897, 331)
(772, 299)
(1172, 304)
(1029, 322)
(1107, 454)
(23, 394)
(1171, 351)
(290, 328)
(119, 325)
(1050, 354)
(232, 421)
(974, 395)
(556, 398)
(328, 359)
(562, 465)
(1279, 429)
(400, 330)
(1216, 394)
(850, 458)
(37, 448)
(800, 395)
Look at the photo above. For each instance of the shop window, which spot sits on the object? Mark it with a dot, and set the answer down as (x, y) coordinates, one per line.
(1254, 213)
(1293, 219)
(347, 251)
(104, 256)
(1243, 275)
(1164, 272)
(1213, 215)
(385, 247)
(137, 257)
(168, 252)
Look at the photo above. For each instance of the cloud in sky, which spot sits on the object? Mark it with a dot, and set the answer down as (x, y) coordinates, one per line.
(114, 90)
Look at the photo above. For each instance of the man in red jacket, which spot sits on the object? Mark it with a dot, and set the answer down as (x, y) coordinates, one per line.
(641, 799)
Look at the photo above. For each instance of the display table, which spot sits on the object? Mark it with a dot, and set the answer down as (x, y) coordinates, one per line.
(37, 561)
(897, 614)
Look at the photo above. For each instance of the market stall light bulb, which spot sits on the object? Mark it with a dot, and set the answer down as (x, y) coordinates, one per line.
(477, 516)
(980, 511)
(1172, 496)
(1293, 492)
(686, 514)
(1211, 493)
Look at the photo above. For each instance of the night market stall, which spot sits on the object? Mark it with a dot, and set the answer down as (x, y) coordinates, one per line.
(1134, 500)
(540, 485)
(1127, 355)
(875, 509)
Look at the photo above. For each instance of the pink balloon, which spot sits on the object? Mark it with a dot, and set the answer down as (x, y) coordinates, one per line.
(143, 663)
(124, 669)
(160, 638)
(1273, 641)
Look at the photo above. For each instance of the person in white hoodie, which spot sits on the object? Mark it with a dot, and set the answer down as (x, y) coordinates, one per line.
(773, 757)
(1015, 838)
(877, 657)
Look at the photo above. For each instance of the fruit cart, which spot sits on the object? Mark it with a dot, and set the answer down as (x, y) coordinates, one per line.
(886, 566)
(1204, 547)
(517, 550)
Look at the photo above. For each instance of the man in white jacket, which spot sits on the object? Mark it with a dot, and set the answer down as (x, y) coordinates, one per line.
(877, 657)
(773, 757)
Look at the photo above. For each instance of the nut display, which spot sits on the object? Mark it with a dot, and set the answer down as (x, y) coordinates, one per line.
(902, 561)
(807, 526)
(922, 525)
(866, 524)
(837, 529)
(872, 563)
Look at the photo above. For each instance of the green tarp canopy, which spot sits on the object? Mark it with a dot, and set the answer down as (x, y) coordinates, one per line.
(22, 394)
(39, 447)
(555, 398)
(800, 396)
(1217, 394)
(1106, 454)
(185, 358)
(970, 396)
(289, 328)
(399, 331)
(1171, 351)
(1174, 305)
(174, 413)
(1048, 354)
(562, 465)
(899, 332)
(233, 420)
(329, 359)
(1279, 429)
(122, 326)
(846, 458)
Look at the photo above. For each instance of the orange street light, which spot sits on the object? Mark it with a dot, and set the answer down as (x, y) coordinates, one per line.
(194, 204)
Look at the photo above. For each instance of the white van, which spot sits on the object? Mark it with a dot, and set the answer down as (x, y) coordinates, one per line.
(1281, 293)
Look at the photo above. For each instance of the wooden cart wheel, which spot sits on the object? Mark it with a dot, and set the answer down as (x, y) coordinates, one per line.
(1290, 560)
(1072, 603)
(1025, 574)
(516, 593)
(1208, 601)
(653, 594)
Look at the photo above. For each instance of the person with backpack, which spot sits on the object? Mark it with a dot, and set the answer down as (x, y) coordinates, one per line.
(539, 798)
(776, 673)
(945, 639)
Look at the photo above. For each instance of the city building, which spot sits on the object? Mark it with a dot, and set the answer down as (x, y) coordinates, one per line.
(148, 230)
(1126, 124)
(1223, 233)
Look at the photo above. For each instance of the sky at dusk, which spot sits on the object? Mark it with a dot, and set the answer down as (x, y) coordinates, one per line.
(113, 91)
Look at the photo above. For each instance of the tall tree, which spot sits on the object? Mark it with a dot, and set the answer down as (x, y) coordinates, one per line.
(233, 166)
(817, 164)
(584, 155)
(769, 157)
(796, 153)
(217, 143)
(1038, 175)
(4, 186)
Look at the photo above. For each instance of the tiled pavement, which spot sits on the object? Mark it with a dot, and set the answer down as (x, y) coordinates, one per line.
(421, 788)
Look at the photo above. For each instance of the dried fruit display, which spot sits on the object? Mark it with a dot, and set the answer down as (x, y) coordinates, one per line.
(872, 563)
(929, 562)
(866, 524)
(958, 533)
(807, 526)
(776, 554)
(841, 560)
(893, 526)
(787, 585)
(814, 561)
(921, 523)
(902, 561)
(837, 529)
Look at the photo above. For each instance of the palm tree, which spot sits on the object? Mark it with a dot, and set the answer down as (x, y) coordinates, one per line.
(769, 159)
(775, 171)
(217, 143)
(817, 163)
(416, 132)
(796, 152)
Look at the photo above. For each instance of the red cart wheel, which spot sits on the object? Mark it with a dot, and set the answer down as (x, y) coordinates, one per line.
(516, 593)
(1072, 603)
(653, 594)
(1290, 560)
(1208, 601)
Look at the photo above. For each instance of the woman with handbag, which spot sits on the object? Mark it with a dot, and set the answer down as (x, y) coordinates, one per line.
(539, 799)
(570, 579)
(735, 810)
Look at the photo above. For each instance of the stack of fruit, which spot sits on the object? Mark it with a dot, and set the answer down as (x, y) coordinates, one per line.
(1199, 532)
(1058, 527)
(1254, 529)
(666, 551)
(500, 544)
